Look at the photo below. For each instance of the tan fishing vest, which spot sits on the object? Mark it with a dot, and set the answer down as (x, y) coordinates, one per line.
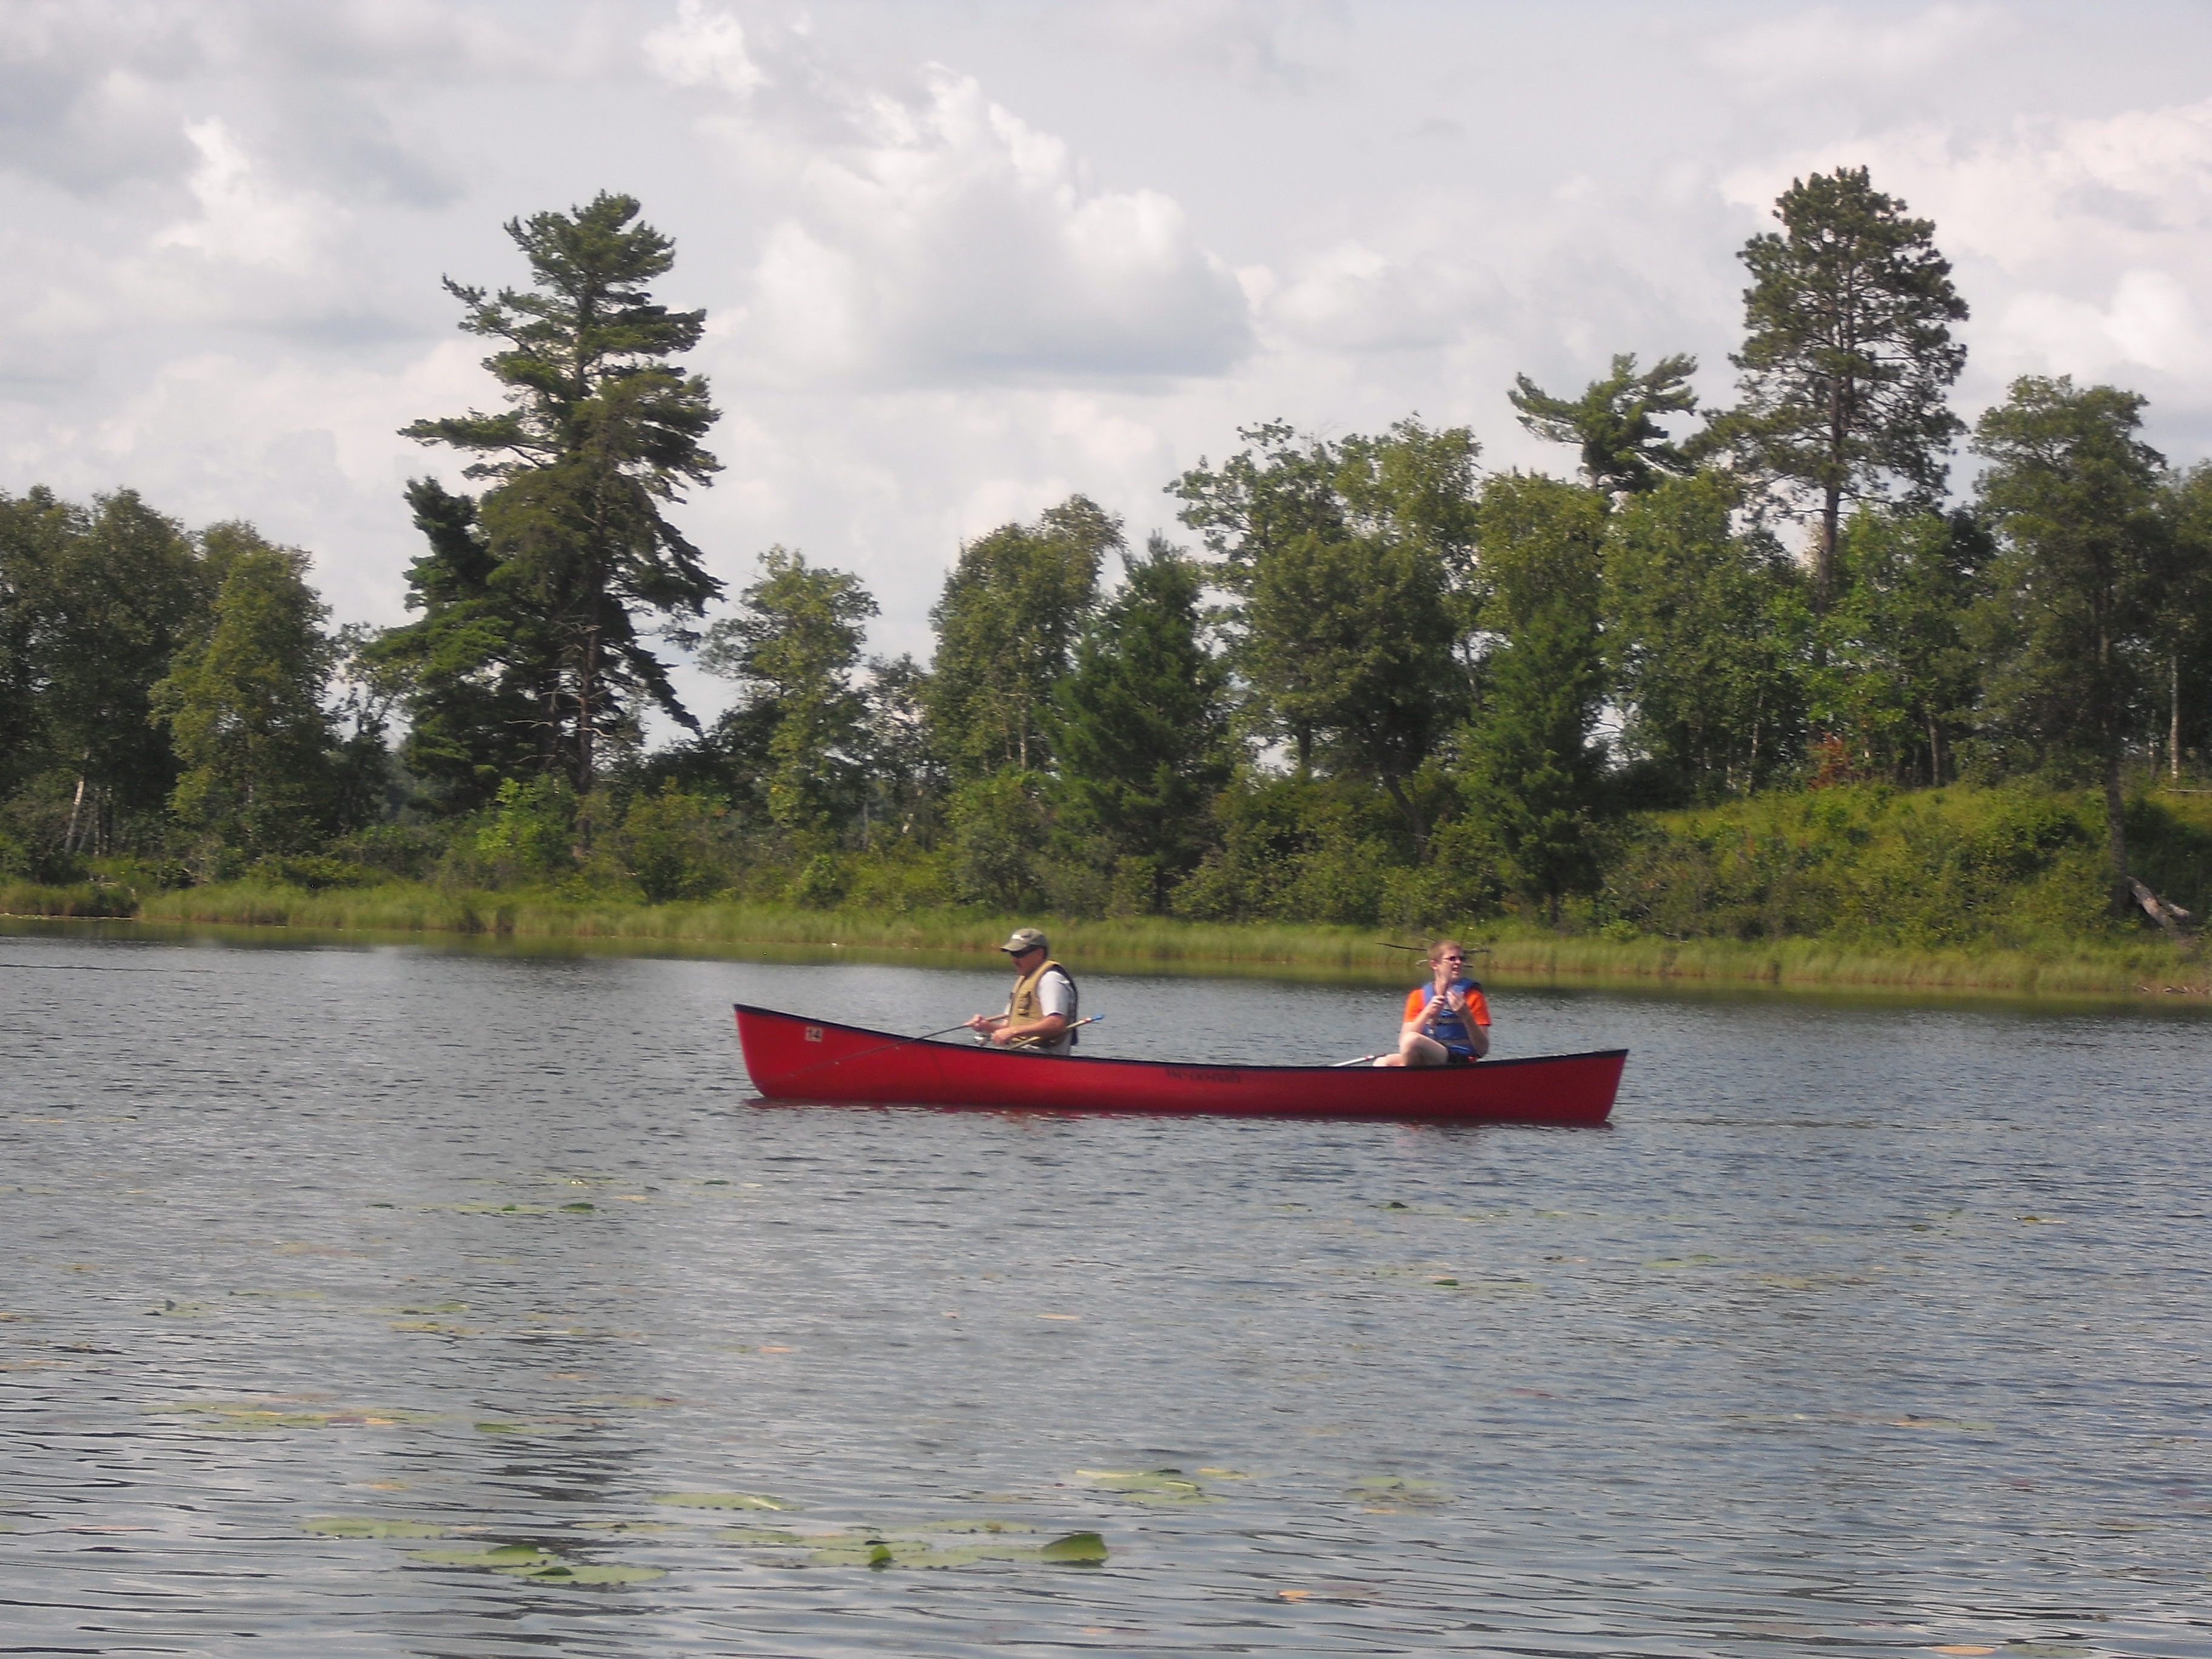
(1024, 1004)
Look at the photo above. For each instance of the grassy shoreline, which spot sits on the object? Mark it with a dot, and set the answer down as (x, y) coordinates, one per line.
(2144, 971)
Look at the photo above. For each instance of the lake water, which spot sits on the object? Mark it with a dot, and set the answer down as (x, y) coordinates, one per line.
(376, 1302)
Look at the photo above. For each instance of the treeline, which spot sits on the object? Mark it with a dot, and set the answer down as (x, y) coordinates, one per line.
(1375, 684)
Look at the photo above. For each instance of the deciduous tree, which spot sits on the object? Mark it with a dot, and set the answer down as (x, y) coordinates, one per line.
(93, 603)
(1704, 633)
(244, 701)
(794, 648)
(1013, 606)
(2071, 625)
(1140, 725)
(1531, 770)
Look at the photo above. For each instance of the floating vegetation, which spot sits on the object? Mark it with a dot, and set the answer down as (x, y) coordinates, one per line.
(723, 1500)
(538, 1565)
(250, 1415)
(769, 1535)
(538, 1426)
(283, 1296)
(181, 1310)
(1151, 1485)
(877, 1548)
(370, 1526)
(1386, 1494)
(434, 1327)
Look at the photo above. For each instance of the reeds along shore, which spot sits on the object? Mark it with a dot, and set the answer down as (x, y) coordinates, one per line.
(2147, 968)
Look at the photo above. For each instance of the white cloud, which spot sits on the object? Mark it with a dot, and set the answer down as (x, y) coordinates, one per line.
(704, 48)
(2152, 323)
(246, 217)
(1828, 50)
(944, 238)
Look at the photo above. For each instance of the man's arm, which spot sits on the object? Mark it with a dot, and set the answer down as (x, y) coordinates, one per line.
(1046, 1028)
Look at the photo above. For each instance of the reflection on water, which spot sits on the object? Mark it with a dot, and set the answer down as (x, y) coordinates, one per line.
(387, 1302)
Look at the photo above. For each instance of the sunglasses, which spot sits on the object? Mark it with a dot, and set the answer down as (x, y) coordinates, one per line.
(1451, 958)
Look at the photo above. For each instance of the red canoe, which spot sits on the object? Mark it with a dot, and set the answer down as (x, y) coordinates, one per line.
(792, 1058)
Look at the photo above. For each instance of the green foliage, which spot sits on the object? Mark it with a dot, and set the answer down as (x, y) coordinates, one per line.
(999, 834)
(1353, 567)
(1140, 729)
(1530, 772)
(92, 604)
(2071, 626)
(1847, 355)
(1896, 676)
(673, 845)
(1014, 607)
(1623, 448)
(243, 703)
(1704, 635)
(600, 432)
(529, 832)
(1296, 848)
(478, 677)
(2185, 618)
(1960, 867)
(793, 650)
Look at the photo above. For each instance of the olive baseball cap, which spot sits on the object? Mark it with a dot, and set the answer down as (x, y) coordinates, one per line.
(1023, 939)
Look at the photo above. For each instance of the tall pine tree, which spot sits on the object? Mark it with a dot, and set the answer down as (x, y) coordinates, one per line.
(1847, 356)
(602, 430)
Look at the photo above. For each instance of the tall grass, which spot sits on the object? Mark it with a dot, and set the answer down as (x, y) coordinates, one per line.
(1951, 890)
(2121, 967)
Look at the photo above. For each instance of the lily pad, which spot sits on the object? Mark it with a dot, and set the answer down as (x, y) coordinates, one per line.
(370, 1526)
(1151, 1485)
(505, 1556)
(1082, 1549)
(724, 1500)
(764, 1536)
(564, 1572)
(1394, 1492)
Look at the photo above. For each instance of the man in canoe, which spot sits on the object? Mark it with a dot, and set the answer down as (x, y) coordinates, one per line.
(1041, 1007)
(1447, 1020)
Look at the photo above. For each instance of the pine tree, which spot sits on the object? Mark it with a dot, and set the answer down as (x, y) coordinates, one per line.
(1847, 357)
(1623, 448)
(602, 430)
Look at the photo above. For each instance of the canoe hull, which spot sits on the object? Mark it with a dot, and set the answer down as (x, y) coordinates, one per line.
(789, 1057)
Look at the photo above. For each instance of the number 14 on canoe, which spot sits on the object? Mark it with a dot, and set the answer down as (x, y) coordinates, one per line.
(791, 1057)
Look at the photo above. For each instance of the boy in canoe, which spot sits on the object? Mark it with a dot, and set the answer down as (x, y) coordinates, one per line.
(1042, 1007)
(1447, 1021)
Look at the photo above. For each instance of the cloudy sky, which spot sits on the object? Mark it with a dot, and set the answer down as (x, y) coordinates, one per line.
(962, 259)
